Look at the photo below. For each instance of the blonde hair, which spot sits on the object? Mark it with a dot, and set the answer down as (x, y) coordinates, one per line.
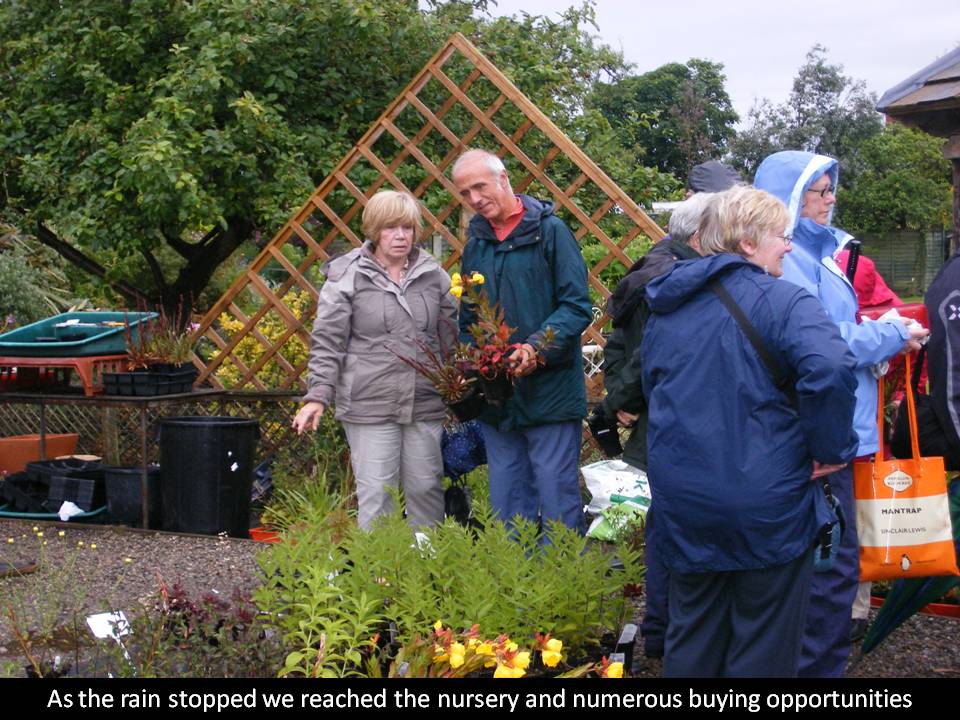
(738, 213)
(390, 207)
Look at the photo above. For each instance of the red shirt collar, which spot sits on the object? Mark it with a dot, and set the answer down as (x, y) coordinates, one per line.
(510, 222)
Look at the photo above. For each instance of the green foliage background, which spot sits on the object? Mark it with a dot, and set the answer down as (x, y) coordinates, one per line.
(159, 136)
(904, 184)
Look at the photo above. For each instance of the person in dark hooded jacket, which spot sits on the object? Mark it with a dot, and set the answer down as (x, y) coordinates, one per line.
(624, 403)
(730, 456)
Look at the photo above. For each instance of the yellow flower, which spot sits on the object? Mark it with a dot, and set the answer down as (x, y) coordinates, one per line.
(456, 290)
(10, 541)
(457, 652)
(438, 625)
(551, 652)
(485, 648)
(93, 546)
(511, 646)
(39, 534)
(455, 279)
(477, 279)
(505, 671)
(521, 660)
(128, 560)
(35, 528)
(614, 670)
(79, 543)
(61, 534)
(439, 654)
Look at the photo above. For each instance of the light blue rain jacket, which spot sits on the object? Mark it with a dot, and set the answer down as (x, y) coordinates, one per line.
(811, 265)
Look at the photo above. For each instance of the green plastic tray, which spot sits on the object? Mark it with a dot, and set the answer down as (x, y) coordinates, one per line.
(89, 335)
(4, 513)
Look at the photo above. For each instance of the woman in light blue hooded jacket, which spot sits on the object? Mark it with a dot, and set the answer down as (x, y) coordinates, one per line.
(806, 183)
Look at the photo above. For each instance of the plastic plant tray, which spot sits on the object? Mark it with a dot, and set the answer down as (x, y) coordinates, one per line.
(75, 334)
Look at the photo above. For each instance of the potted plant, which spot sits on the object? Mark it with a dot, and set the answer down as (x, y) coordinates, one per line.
(472, 374)
(158, 359)
(452, 376)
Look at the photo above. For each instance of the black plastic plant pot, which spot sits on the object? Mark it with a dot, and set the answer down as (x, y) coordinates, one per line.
(125, 496)
(497, 390)
(470, 406)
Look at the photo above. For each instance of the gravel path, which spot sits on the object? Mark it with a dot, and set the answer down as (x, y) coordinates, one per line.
(100, 569)
(117, 568)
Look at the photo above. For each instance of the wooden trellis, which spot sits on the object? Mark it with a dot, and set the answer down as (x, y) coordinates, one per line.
(457, 101)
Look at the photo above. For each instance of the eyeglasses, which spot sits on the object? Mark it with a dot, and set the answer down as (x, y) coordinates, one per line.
(787, 240)
(823, 191)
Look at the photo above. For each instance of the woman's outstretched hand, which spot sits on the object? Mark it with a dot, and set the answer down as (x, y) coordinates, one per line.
(308, 417)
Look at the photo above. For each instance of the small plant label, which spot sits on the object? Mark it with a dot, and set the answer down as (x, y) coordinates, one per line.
(109, 625)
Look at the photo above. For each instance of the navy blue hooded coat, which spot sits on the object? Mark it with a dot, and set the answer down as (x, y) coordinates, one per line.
(730, 457)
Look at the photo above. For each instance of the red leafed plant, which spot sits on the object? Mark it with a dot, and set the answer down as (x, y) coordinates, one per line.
(489, 355)
(453, 372)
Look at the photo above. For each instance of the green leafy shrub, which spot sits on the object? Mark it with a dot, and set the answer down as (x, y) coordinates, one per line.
(335, 589)
(305, 472)
(21, 298)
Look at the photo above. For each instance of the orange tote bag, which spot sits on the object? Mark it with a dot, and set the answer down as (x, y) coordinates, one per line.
(903, 513)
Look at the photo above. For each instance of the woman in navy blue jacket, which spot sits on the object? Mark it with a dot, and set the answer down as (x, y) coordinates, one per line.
(731, 457)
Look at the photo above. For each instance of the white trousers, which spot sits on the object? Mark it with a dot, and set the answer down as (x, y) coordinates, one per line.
(861, 604)
(387, 456)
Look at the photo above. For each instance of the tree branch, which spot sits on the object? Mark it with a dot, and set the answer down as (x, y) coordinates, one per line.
(187, 250)
(155, 270)
(87, 264)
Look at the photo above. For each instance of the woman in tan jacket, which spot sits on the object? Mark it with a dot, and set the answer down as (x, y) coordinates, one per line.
(380, 301)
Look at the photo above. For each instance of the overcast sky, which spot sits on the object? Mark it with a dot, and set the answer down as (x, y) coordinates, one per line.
(762, 43)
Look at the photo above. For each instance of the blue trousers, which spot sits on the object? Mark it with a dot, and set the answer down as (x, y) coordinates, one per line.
(534, 473)
(826, 637)
(654, 625)
(744, 623)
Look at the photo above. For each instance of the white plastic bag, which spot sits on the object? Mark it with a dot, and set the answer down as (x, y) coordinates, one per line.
(620, 495)
(613, 482)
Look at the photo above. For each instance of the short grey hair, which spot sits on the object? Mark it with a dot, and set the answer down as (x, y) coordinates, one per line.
(494, 163)
(685, 220)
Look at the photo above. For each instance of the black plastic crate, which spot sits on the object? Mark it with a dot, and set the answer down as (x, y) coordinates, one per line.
(23, 494)
(43, 470)
(84, 488)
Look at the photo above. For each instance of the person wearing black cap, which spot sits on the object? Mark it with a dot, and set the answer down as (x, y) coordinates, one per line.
(711, 176)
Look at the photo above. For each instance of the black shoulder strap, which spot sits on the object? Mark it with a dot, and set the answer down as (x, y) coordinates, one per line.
(780, 379)
(918, 369)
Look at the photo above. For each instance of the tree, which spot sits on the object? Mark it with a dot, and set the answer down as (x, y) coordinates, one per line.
(673, 117)
(826, 113)
(904, 185)
(147, 141)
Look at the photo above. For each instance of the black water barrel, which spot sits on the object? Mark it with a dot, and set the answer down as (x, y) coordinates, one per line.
(206, 467)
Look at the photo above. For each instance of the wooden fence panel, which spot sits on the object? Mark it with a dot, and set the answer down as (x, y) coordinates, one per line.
(258, 331)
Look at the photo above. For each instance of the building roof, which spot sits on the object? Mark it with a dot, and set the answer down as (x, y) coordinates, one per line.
(937, 85)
